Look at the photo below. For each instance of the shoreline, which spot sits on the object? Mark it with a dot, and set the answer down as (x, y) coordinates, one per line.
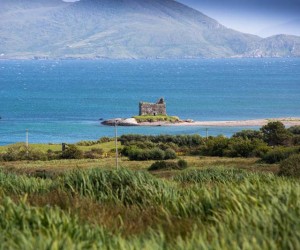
(287, 121)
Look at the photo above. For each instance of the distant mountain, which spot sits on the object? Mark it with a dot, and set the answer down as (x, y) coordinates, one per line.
(275, 46)
(122, 29)
(290, 27)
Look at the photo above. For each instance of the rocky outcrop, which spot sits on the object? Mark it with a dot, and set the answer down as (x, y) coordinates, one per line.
(121, 122)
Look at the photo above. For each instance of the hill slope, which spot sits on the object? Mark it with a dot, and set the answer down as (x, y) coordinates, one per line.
(123, 29)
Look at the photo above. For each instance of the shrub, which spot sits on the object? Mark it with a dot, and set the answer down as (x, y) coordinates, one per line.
(182, 164)
(260, 151)
(35, 155)
(94, 153)
(105, 139)
(136, 154)
(215, 146)
(290, 167)
(278, 154)
(249, 134)
(157, 154)
(12, 154)
(53, 155)
(179, 140)
(168, 165)
(294, 130)
(170, 154)
(296, 140)
(86, 143)
(72, 152)
(20, 152)
(158, 165)
(239, 147)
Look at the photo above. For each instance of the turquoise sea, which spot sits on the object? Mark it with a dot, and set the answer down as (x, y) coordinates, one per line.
(62, 101)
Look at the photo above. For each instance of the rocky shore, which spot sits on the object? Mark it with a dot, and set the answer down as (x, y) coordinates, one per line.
(287, 121)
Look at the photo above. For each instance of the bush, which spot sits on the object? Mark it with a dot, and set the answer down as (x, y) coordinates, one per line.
(182, 164)
(290, 167)
(94, 153)
(53, 155)
(86, 143)
(295, 130)
(105, 139)
(260, 151)
(35, 155)
(215, 146)
(248, 134)
(157, 154)
(12, 154)
(179, 140)
(72, 152)
(279, 154)
(158, 165)
(239, 147)
(168, 165)
(296, 140)
(19, 152)
(170, 154)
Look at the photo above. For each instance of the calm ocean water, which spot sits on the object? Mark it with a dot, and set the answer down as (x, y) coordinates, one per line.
(62, 101)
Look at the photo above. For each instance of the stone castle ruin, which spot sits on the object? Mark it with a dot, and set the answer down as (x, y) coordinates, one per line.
(154, 109)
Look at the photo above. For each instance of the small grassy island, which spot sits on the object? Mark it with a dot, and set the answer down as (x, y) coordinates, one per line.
(150, 114)
(157, 118)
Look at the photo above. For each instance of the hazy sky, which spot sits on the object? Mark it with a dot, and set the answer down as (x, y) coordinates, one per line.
(260, 17)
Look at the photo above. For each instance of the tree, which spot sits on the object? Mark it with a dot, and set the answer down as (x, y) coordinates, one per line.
(294, 130)
(275, 133)
(248, 134)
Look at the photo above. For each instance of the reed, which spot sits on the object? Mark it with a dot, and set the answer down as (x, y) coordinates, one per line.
(215, 208)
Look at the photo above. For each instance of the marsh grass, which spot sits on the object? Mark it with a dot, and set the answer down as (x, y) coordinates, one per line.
(212, 208)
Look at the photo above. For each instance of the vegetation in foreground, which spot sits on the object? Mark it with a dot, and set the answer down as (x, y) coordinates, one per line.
(213, 208)
(183, 201)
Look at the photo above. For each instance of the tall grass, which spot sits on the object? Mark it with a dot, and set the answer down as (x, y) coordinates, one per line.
(221, 175)
(21, 184)
(123, 186)
(209, 209)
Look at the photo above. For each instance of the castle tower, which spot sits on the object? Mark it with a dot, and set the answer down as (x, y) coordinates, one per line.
(154, 109)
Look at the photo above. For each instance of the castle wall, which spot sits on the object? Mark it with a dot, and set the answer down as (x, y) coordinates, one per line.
(152, 109)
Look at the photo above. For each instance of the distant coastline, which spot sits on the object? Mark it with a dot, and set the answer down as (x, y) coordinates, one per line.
(287, 121)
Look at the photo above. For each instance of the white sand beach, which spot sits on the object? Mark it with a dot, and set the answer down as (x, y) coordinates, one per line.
(287, 121)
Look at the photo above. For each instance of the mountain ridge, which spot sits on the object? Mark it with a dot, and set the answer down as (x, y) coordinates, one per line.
(125, 29)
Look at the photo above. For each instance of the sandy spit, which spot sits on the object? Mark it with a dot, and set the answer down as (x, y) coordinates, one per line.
(287, 121)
